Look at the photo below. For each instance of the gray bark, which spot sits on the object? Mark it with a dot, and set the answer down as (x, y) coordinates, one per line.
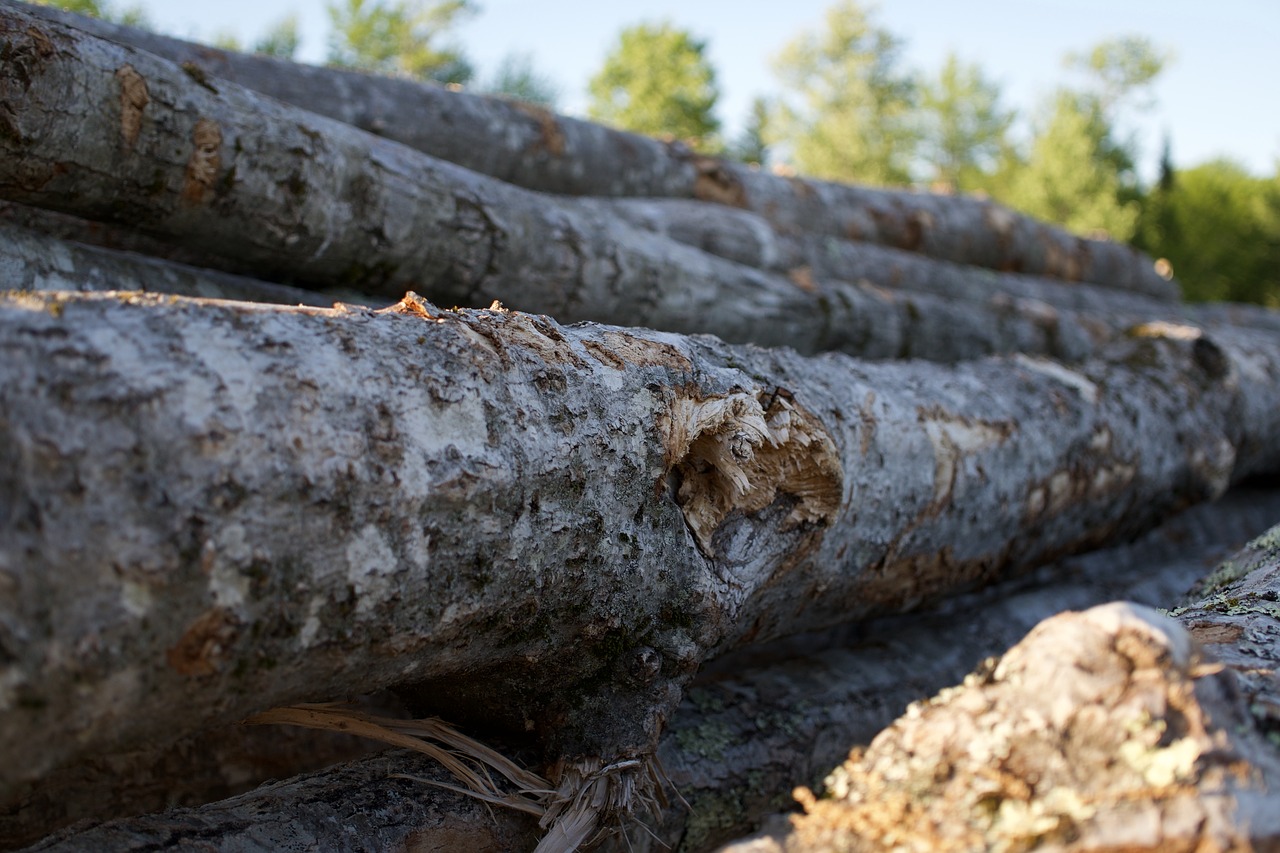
(535, 149)
(246, 506)
(30, 260)
(1108, 729)
(754, 725)
(292, 196)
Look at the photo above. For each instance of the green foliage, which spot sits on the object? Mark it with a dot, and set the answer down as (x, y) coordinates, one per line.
(658, 80)
(516, 78)
(281, 41)
(849, 110)
(133, 16)
(751, 146)
(1080, 172)
(1070, 178)
(1219, 227)
(395, 37)
(965, 129)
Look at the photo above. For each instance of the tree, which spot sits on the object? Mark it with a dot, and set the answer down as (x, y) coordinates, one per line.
(849, 112)
(751, 147)
(281, 41)
(1081, 171)
(1070, 177)
(516, 78)
(657, 80)
(1219, 227)
(134, 16)
(964, 127)
(396, 37)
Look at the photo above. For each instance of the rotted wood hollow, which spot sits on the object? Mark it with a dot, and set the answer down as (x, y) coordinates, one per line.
(539, 150)
(239, 506)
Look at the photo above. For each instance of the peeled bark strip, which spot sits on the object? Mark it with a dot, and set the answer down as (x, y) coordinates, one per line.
(538, 150)
(760, 722)
(30, 260)
(237, 506)
(295, 197)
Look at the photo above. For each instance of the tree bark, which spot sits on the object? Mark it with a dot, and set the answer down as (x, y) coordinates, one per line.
(754, 725)
(538, 150)
(30, 260)
(243, 506)
(294, 197)
(1108, 729)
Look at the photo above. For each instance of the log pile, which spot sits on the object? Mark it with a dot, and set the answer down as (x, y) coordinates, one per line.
(719, 411)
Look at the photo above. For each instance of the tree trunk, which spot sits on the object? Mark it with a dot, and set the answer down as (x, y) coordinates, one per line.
(295, 197)
(237, 506)
(1116, 728)
(756, 724)
(30, 260)
(532, 148)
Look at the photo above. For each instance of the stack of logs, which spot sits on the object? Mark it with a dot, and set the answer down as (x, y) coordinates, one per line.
(619, 585)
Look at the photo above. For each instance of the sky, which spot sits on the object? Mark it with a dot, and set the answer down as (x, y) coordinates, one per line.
(1220, 95)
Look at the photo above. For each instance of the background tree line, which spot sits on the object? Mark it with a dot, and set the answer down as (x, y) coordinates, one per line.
(850, 109)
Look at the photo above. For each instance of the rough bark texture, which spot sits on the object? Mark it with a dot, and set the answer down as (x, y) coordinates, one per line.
(1103, 730)
(754, 725)
(245, 506)
(532, 148)
(296, 197)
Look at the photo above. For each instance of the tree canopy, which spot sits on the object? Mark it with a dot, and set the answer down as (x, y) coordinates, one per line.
(398, 37)
(848, 111)
(658, 80)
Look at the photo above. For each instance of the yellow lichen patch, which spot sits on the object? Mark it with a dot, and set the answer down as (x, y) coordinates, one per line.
(205, 160)
(994, 764)
(133, 100)
(955, 437)
(742, 452)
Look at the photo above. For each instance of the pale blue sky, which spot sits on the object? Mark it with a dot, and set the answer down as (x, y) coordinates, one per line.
(1218, 97)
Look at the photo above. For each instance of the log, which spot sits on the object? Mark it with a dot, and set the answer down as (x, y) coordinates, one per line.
(238, 506)
(532, 148)
(294, 197)
(1115, 728)
(30, 260)
(758, 722)
(364, 805)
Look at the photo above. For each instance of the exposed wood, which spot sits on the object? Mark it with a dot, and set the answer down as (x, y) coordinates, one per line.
(240, 506)
(536, 149)
(760, 722)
